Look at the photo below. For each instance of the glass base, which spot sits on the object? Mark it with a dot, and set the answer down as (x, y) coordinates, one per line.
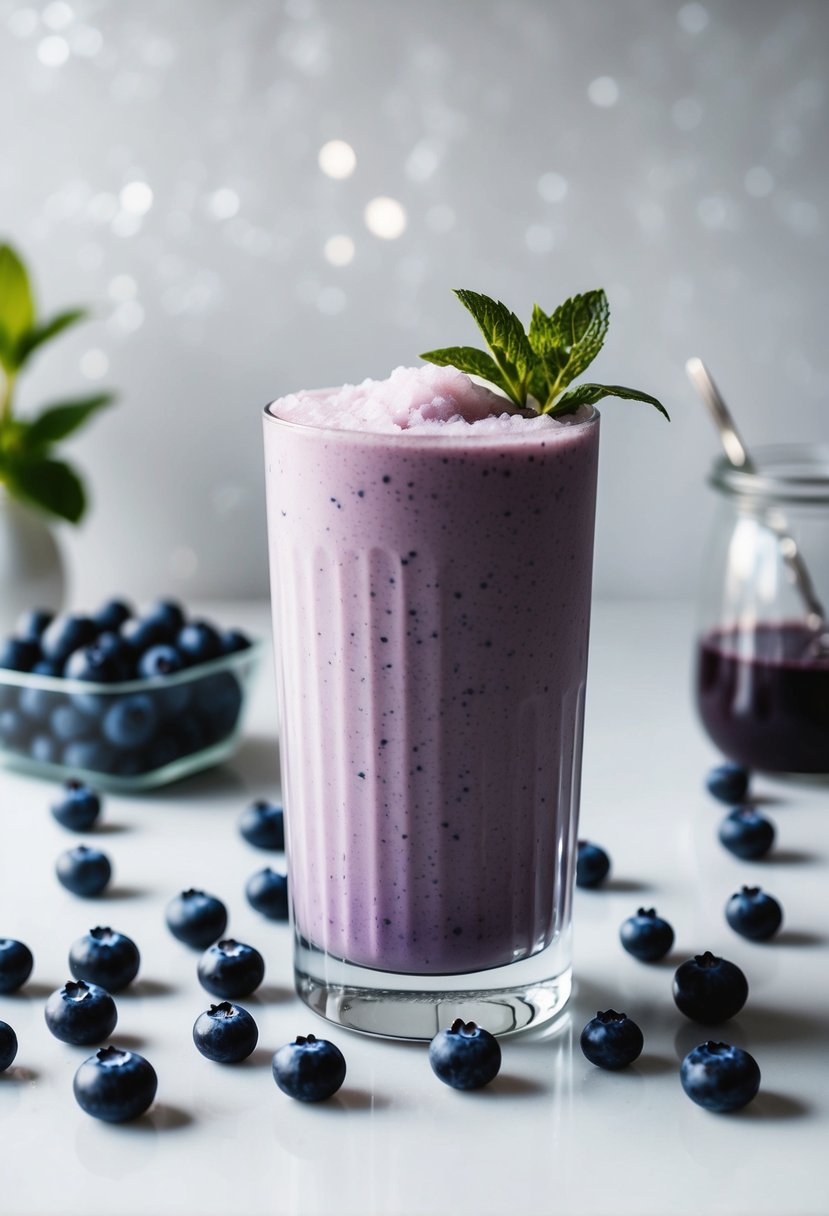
(504, 1000)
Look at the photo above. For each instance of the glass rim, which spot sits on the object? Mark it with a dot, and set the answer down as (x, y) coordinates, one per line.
(794, 473)
(348, 435)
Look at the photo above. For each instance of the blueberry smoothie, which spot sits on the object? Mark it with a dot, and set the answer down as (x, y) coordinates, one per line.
(431, 554)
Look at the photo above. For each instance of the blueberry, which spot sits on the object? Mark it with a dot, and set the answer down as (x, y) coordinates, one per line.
(611, 1040)
(309, 1069)
(592, 864)
(14, 729)
(198, 642)
(94, 664)
(267, 892)
(746, 833)
(36, 702)
(646, 936)
(169, 614)
(65, 634)
(754, 914)
(81, 1013)
(218, 700)
(16, 964)
(83, 870)
(233, 640)
(105, 957)
(19, 654)
(8, 1046)
(719, 1077)
(195, 918)
(728, 782)
(142, 633)
(163, 662)
(112, 615)
(78, 808)
(43, 749)
(465, 1056)
(130, 721)
(89, 755)
(32, 624)
(225, 1033)
(69, 723)
(115, 1085)
(709, 989)
(263, 825)
(230, 969)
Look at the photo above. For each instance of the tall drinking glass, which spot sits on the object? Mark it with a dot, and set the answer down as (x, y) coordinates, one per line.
(431, 600)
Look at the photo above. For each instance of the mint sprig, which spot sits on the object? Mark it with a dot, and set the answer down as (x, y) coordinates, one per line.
(535, 369)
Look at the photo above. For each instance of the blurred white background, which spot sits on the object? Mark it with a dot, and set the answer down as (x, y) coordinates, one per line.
(172, 163)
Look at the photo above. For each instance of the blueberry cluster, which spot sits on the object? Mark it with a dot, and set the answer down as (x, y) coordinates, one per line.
(160, 706)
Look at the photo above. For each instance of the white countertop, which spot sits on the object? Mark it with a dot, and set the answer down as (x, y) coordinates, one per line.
(552, 1133)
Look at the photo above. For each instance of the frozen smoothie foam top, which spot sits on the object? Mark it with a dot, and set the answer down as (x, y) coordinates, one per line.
(423, 400)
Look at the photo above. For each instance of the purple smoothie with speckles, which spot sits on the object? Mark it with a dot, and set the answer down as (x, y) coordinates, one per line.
(431, 554)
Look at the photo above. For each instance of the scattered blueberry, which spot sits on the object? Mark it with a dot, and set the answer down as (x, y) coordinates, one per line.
(746, 833)
(105, 957)
(309, 1069)
(263, 825)
(225, 1033)
(115, 1085)
(195, 918)
(592, 864)
(611, 1040)
(728, 782)
(81, 1013)
(465, 1056)
(719, 1077)
(709, 989)
(79, 807)
(8, 1046)
(83, 870)
(231, 969)
(754, 914)
(130, 721)
(65, 634)
(198, 642)
(267, 892)
(646, 936)
(16, 964)
(19, 654)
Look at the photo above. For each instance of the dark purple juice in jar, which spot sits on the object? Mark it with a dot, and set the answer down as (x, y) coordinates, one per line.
(763, 696)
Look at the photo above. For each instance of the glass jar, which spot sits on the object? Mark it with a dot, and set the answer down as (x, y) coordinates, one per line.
(762, 658)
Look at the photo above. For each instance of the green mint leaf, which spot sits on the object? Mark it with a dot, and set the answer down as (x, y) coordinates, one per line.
(17, 306)
(51, 485)
(569, 401)
(569, 340)
(32, 338)
(59, 420)
(505, 337)
(468, 359)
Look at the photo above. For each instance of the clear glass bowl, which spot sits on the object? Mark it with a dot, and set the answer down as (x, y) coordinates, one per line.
(129, 736)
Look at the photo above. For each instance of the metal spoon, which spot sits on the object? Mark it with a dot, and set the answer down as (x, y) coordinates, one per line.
(737, 455)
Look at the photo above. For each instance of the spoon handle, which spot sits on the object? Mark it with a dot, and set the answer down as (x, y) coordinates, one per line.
(738, 456)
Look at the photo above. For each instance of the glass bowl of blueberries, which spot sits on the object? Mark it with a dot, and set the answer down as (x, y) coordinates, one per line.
(131, 701)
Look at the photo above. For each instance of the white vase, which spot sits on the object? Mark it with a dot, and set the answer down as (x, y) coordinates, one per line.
(31, 567)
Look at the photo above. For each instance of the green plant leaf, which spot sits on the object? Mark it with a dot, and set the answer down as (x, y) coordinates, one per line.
(17, 306)
(52, 485)
(588, 394)
(468, 359)
(59, 420)
(569, 340)
(32, 338)
(505, 337)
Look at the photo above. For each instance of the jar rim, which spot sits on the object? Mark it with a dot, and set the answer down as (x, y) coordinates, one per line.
(783, 473)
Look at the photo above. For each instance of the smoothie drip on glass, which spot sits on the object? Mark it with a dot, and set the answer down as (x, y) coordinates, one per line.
(431, 551)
